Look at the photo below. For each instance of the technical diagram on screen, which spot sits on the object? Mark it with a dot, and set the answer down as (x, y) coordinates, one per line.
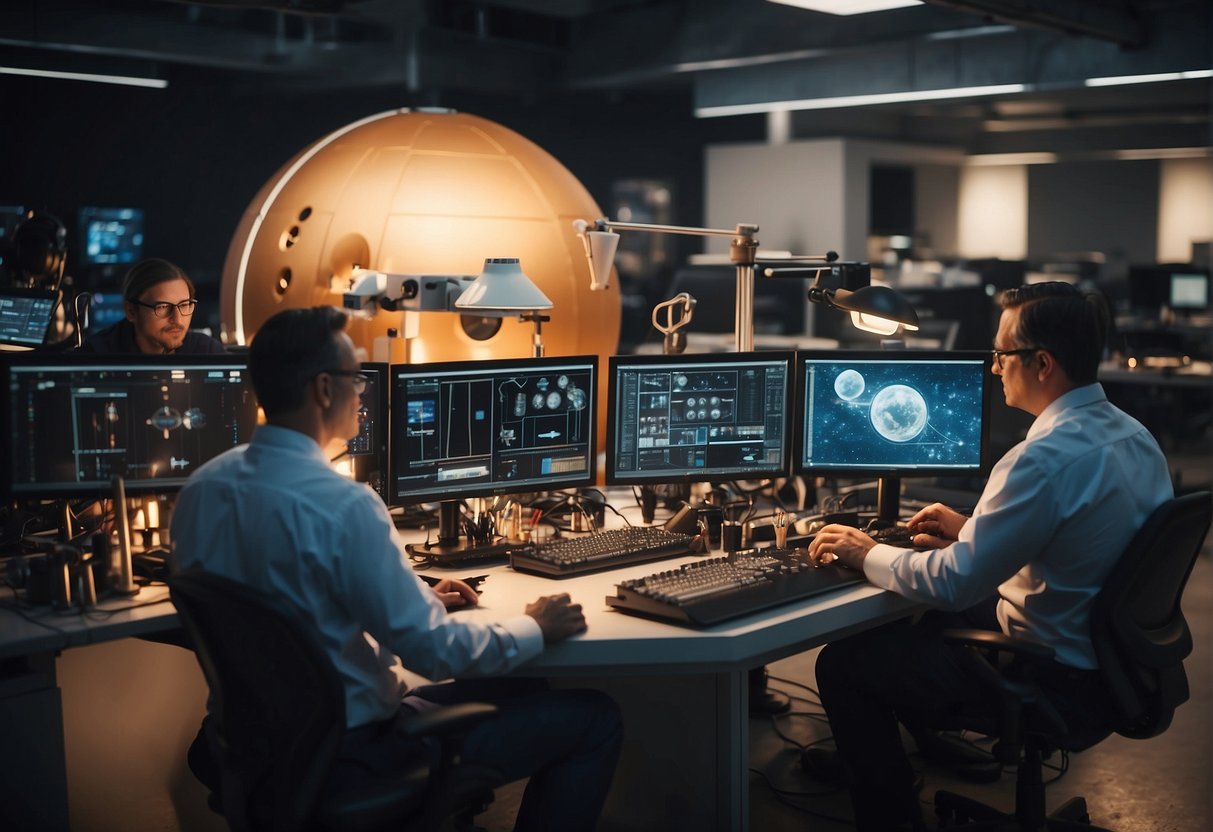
(74, 425)
(698, 417)
(477, 428)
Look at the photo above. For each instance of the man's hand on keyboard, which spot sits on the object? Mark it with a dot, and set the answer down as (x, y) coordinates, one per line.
(846, 544)
(936, 526)
(557, 616)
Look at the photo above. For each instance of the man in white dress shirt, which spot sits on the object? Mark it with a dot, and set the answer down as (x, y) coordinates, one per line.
(1055, 515)
(275, 516)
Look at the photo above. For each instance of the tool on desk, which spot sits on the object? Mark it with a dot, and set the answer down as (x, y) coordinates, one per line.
(781, 529)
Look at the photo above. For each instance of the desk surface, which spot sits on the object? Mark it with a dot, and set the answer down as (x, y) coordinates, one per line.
(27, 630)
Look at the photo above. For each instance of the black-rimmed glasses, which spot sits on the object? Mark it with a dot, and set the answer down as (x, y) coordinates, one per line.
(999, 355)
(359, 378)
(163, 309)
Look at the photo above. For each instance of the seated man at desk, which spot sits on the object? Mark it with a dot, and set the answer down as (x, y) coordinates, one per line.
(158, 301)
(1056, 513)
(275, 516)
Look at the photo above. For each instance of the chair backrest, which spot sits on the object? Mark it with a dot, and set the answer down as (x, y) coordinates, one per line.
(1140, 635)
(275, 694)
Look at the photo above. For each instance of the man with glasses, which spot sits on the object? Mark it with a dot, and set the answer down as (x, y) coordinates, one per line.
(1056, 513)
(273, 515)
(159, 304)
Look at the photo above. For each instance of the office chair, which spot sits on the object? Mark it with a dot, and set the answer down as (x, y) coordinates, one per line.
(1140, 638)
(278, 711)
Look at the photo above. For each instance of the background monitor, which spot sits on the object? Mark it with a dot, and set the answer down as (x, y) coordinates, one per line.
(25, 315)
(368, 450)
(1149, 287)
(698, 418)
(111, 236)
(105, 309)
(893, 413)
(72, 423)
(1189, 290)
(478, 428)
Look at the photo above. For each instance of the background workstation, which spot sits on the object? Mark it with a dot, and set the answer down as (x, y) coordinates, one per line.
(1104, 180)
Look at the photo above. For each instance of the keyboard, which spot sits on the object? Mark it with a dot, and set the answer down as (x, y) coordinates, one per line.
(603, 550)
(710, 591)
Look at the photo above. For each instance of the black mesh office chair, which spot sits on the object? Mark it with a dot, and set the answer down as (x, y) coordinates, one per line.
(278, 710)
(1141, 639)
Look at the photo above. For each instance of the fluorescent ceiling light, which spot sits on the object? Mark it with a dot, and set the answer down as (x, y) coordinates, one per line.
(1164, 153)
(992, 159)
(848, 6)
(125, 80)
(1117, 80)
(856, 100)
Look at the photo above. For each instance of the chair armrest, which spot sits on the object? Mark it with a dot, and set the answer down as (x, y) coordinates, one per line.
(448, 719)
(990, 640)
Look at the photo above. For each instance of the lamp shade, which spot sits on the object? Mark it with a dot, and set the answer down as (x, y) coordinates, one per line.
(876, 309)
(502, 287)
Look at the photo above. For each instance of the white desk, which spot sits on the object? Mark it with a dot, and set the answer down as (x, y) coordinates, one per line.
(683, 691)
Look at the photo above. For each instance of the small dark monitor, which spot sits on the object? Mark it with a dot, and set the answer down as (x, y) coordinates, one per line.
(25, 315)
(705, 417)
(73, 423)
(110, 236)
(893, 413)
(105, 309)
(368, 450)
(1190, 290)
(1150, 287)
(478, 428)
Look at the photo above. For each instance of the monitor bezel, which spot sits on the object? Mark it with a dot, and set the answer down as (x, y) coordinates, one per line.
(382, 417)
(803, 357)
(28, 360)
(31, 294)
(615, 477)
(397, 497)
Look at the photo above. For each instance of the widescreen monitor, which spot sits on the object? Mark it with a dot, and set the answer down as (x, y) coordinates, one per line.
(368, 451)
(698, 418)
(1189, 290)
(25, 316)
(893, 413)
(73, 423)
(479, 428)
(111, 236)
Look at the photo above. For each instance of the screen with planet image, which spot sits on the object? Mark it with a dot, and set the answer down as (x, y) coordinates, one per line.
(710, 417)
(479, 428)
(75, 422)
(893, 413)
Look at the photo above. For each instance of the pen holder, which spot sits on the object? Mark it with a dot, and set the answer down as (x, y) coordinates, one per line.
(730, 535)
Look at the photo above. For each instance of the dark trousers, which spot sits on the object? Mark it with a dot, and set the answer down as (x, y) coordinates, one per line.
(904, 672)
(566, 741)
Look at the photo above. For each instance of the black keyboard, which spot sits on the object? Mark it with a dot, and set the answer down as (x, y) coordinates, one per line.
(710, 591)
(604, 550)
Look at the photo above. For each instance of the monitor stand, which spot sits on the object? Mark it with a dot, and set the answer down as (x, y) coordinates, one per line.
(888, 502)
(451, 549)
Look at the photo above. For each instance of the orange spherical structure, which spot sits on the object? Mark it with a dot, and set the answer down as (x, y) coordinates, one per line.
(420, 192)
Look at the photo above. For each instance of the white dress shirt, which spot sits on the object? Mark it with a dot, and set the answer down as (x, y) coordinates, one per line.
(273, 515)
(1056, 513)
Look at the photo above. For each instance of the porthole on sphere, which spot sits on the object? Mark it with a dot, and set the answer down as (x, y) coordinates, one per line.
(479, 328)
(289, 238)
(305, 213)
(284, 282)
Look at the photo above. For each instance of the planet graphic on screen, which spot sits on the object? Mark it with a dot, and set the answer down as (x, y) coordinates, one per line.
(849, 385)
(898, 413)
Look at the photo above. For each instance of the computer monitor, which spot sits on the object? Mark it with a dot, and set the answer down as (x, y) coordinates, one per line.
(25, 316)
(368, 451)
(698, 418)
(110, 236)
(73, 423)
(464, 429)
(892, 414)
(105, 309)
(1189, 290)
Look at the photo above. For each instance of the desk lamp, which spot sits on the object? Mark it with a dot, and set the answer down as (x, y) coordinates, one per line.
(877, 309)
(502, 290)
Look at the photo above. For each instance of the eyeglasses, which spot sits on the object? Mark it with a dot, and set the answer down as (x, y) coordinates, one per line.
(359, 378)
(164, 309)
(999, 355)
